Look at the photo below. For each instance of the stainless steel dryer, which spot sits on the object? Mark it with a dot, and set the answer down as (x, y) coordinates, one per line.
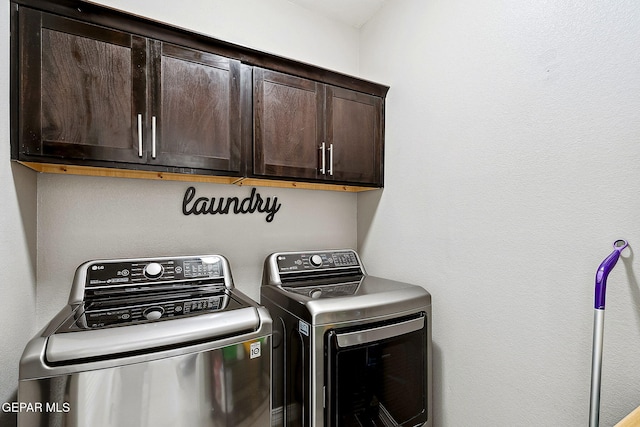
(349, 349)
(150, 342)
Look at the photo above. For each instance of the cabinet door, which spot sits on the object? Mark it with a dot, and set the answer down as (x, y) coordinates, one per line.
(354, 136)
(287, 125)
(81, 89)
(197, 109)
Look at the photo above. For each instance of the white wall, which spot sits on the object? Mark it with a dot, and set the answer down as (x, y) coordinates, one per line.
(81, 218)
(17, 245)
(512, 164)
(274, 26)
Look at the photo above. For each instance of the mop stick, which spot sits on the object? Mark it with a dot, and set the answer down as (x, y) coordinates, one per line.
(598, 329)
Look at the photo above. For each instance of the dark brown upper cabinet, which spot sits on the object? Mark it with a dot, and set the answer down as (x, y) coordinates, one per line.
(97, 91)
(80, 89)
(196, 109)
(93, 93)
(354, 136)
(288, 120)
(304, 129)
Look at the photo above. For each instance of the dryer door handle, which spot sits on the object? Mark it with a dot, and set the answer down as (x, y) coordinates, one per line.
(380, 333)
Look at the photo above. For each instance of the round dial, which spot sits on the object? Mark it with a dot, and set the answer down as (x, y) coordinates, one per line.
(316, 260)
(153, 313)
(316, 293)
(153, 270)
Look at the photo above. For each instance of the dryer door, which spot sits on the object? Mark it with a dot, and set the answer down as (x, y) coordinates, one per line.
(377, 375)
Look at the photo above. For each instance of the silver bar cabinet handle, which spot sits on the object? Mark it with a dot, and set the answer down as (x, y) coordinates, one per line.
(324, 165)
(331, 159)
(139, 135)
(153, 137)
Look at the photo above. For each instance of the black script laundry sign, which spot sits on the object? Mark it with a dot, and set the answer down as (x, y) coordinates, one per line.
(211, 206)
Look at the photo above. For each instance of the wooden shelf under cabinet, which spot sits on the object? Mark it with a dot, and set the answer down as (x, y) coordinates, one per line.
(169, 176)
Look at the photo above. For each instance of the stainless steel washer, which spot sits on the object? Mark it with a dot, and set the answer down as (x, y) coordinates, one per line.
(349, 349)
(150, 342)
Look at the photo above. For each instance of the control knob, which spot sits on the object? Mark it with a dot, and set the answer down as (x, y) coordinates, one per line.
(153, 313)
(316, 260)
(316, 293)
(153, 270)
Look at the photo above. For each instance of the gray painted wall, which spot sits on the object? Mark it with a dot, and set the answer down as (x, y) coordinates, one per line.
(83, 218)
(512, 164)
(17, 245)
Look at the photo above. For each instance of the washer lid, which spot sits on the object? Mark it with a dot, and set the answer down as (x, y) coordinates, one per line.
(109, 343)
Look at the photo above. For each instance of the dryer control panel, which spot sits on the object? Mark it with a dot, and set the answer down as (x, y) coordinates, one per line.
(311, 261)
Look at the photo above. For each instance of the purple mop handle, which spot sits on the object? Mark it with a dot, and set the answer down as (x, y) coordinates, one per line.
(603, 272)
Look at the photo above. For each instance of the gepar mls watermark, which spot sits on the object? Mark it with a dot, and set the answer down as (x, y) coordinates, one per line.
(38, 407)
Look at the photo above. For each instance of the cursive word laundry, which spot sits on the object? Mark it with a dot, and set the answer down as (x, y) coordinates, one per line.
(223, 206)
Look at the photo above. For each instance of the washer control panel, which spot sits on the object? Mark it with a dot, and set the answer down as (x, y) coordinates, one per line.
(153, 311)
(110, 273)
(310, 261)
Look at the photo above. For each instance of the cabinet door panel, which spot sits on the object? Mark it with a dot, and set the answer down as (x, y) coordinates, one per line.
(198, 124)
(78, 87)
(287, 131)
(354, 128)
